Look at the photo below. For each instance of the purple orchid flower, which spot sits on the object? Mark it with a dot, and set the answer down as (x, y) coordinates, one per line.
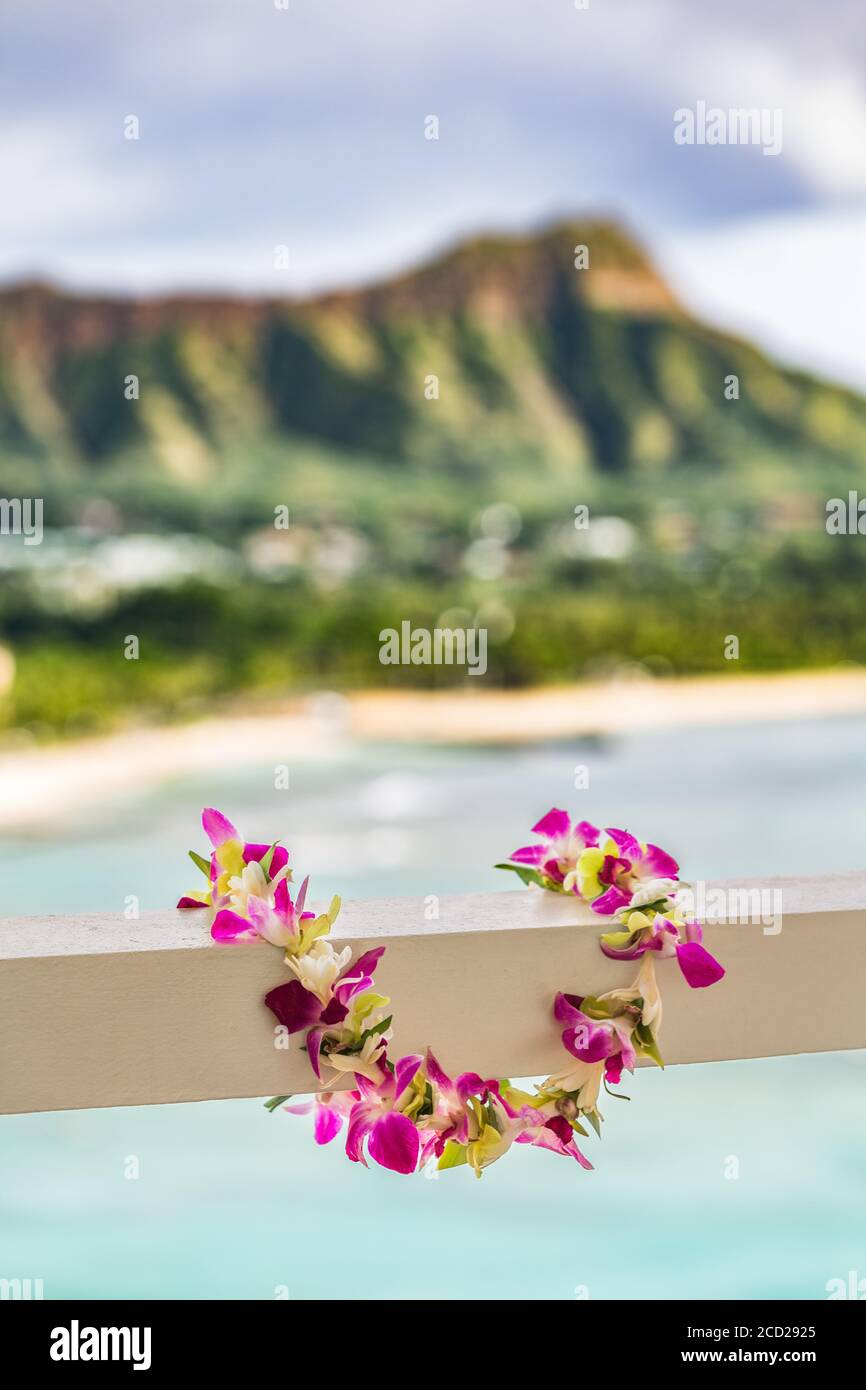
(392, 1138)
(297, 1008)
(330, 1109)
(699, 968)
(230, 855)
(221, 832)
(560, 848)
(556, 1134)
(280, 923)
(593, 1040)
(621, 873)
(451, 1118)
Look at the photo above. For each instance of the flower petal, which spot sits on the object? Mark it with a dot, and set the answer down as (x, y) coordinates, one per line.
(282, 900)
(560, 1127)
(436, 1074)
(382, 1086)
(217, 827)
(360, 1123)
(625, 843)
(582, 1036)
(230, 926)
(293, 1006)
(327, 1124)
(302, 898)
(404, 1072)
(691, 931)
(394, 1143)
(588, 1042)
(553, 825)
(698, 966)
(469, 1083)
(357, 978)
(530, 854)
(566, 1009)
(366, 964)
(280, 859)
(334, 1012)
(659, 863)
(588, 833)
(610, 902)
(255, 853)
(623, 945)
(613, 1069)
(313, 1044)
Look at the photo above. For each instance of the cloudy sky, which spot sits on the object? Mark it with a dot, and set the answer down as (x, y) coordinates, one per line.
(262, 126)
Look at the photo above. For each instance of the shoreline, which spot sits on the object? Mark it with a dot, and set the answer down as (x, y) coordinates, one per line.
(39, 784)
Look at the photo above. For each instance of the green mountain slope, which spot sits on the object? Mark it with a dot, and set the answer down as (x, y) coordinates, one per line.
(581, 373)
(433, 439)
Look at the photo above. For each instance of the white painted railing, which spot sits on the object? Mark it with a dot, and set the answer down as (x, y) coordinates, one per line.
(101, 1011)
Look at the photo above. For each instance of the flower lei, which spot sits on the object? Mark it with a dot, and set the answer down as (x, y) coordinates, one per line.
(409, 1113)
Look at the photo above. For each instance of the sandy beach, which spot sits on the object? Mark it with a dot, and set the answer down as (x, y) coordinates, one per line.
(38, 784)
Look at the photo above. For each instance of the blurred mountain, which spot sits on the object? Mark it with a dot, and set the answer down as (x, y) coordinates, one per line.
(501, 355)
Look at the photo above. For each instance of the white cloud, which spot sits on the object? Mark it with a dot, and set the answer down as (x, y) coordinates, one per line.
(58, 191)
(794, 283)
(823, 105)
(827, 124)
(262, 127)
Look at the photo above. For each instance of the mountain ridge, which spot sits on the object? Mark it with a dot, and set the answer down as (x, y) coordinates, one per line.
(498, 349)
(612, 246)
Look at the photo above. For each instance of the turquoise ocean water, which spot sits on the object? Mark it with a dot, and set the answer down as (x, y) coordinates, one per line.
(232, 1202)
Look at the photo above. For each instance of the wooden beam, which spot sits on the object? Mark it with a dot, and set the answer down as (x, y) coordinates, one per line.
(100, 1011)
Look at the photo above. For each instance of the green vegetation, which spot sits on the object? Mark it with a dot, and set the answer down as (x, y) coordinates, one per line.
(556, 388)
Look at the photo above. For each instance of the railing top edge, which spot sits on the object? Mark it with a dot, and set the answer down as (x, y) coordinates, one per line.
(428, 915)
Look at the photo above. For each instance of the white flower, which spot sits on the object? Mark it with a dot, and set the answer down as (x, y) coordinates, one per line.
(584, 1077)
(250, 883)
(319, 967)
(651, 891)
(646, 988)
(365, 1062)
(651, 1013)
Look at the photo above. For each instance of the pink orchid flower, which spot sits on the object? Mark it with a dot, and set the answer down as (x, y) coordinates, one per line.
(561, 846)
(330, 1109)
(476, 1121)
(229, 857)
(280, 923)
(553, 1132)
(593, 1040)
(499, 1117)
(668, 938)
(221, 832)
(297, 1008)
(625, 866)
(379, 1118)
(451, 1114)
(542, 1126)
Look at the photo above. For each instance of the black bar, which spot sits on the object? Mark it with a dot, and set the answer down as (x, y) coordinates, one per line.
(161, 1337)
